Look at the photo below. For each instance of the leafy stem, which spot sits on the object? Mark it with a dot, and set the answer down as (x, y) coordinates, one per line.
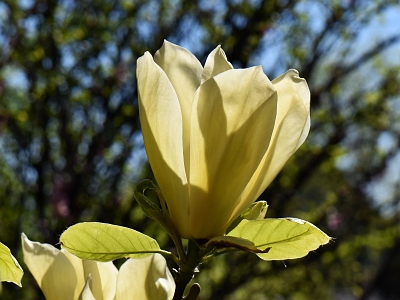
(186, 273)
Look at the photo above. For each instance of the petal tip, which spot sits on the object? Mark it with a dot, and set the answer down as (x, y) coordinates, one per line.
(145, 56)
(25, 240)
(295, 75)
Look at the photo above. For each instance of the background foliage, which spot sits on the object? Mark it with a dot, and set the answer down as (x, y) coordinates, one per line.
(71, 148)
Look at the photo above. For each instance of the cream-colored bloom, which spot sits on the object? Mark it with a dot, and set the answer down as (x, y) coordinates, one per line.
(216, 136)
(63, 276)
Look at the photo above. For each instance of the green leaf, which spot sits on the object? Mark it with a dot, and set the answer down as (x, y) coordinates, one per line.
(106, 242)
(151, 207)
(148, 206)
(255, 211)
(10, 270)
(225, 242)
(288, 238)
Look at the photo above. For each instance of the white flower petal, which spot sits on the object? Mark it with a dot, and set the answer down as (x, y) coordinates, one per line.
(161, 121)
(87, 292)
(216, 63)
(291, 128)
(104, 278)
(184, 72)
(145, 279)
(233, 118)
(214, 150)
(58, 273)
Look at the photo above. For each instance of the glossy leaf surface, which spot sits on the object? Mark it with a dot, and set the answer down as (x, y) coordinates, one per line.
(106, 242)
(288, 238)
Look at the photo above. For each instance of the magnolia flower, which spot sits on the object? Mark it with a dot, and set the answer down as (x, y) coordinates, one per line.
(216, 136)
(63, 276)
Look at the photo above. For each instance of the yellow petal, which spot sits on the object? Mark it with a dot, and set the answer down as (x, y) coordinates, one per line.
(58, 273)
(87, 292)
(184, 72)
(216, 63)
(291, 128)
(305, 130)
(104, 278)
(145, 279)
(161, 121)
(232, 121)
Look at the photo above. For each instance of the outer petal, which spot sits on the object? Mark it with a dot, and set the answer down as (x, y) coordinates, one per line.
(184, 72)
(145, 279)
(216, 63)
(58, 273)
(104, 278)
(291, 128)
(232, 121)
(87, 292)
(161, 120)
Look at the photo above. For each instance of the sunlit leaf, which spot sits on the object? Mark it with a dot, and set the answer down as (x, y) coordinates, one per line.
(225, 242)
(256, 211)
(106, 242)
(288, 238)
(10, 270)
